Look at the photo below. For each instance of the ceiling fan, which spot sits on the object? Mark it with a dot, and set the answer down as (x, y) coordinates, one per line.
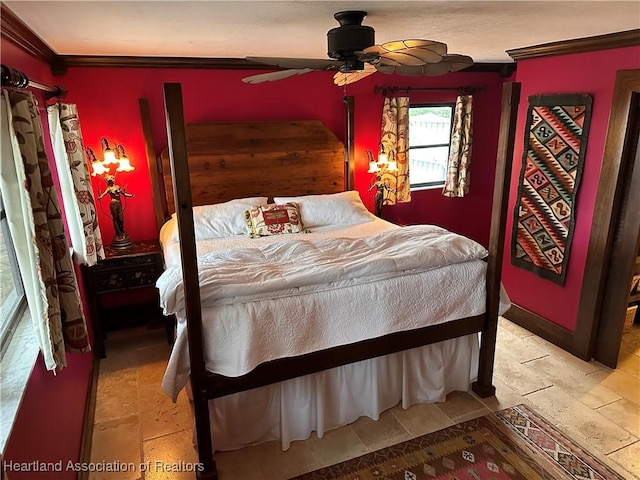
(354, 54)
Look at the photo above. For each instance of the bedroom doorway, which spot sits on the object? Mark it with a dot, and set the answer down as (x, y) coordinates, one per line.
(615, 231)
(625, 255)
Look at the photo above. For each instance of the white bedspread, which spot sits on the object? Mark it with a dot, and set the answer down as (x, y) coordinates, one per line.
(396, 279)
(246, 274)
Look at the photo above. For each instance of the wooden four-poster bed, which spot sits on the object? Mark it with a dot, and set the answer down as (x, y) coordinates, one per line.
(212, 163)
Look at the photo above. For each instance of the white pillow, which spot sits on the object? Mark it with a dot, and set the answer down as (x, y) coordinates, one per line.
(344, 208)
(221, 220)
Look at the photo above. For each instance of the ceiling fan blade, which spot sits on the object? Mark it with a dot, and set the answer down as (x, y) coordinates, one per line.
(387, 69)
(449, 63)
(407, 52)
(458, 62)
(345, 78)
(279, 75)
(431, 69)
(298, 63)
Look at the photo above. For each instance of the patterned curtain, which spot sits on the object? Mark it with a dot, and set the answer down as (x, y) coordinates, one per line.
(68, 149)
(458, 177)
(44, 259)
(394, 138)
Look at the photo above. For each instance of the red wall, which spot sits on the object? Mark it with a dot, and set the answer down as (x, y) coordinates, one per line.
(593, 73)
(107, 100)
(51, 416)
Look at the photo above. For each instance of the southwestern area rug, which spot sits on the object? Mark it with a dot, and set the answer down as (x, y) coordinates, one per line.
(515, 443)
(554, 148)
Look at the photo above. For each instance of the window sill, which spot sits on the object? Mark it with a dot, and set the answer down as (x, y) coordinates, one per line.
(431, 187)
(15, 370)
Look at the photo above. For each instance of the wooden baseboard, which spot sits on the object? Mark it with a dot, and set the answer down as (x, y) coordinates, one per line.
(89, 414)
(542, 327)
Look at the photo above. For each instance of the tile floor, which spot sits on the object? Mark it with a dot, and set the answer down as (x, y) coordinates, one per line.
(136, 422)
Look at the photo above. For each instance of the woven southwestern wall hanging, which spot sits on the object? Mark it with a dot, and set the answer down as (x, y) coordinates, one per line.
(554, 147)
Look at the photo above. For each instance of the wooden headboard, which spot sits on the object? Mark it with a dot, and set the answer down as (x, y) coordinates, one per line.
(248, 159)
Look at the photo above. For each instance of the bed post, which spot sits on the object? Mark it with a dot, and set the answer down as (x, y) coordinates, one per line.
(350, 164)
(510, 99)
(184, 213)
(152, 163)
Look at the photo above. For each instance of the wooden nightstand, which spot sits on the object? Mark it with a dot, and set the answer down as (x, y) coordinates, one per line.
(110, 281)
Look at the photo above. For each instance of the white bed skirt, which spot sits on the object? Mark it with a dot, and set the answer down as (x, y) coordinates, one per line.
(293, 409)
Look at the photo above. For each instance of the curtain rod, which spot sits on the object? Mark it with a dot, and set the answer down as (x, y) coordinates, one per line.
(13, 78)
(468, 90)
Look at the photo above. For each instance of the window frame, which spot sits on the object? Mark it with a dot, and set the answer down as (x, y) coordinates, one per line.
(426, 185)
(15, 312)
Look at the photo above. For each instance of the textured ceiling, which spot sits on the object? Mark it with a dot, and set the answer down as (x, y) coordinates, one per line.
(235, 29)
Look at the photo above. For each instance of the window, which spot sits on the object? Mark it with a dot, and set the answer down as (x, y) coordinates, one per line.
(429, 143)
(12, 298)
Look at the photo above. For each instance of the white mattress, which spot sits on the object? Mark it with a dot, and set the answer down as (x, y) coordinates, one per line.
(238, 337)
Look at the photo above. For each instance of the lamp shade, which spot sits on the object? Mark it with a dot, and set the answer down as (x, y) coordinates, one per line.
(373, 167)
(383, 158)
(109, 157)
(98, 168)
(124, 165)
